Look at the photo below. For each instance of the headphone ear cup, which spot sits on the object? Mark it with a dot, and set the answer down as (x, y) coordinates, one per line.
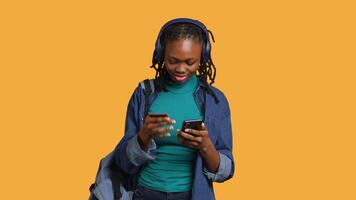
(203, 54)
(207, 49)
(158, 51)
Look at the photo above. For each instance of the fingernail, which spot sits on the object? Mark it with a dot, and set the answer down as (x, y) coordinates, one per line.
(187, 130)
(173, 121)
(168, 134)
(171, 127)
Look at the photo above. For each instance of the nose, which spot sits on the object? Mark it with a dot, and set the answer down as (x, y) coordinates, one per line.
(180, 69)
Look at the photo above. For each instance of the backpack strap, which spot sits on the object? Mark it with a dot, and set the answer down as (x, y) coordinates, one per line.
(148, 87)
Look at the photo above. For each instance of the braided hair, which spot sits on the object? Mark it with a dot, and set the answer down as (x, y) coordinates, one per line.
(184, 30)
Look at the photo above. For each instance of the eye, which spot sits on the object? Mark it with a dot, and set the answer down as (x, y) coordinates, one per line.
(172, 62)
(190, 63)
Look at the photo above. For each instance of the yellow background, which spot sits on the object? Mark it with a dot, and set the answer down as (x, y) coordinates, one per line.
(287, 68)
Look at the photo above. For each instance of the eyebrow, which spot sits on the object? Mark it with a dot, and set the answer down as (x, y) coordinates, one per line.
(188, 59)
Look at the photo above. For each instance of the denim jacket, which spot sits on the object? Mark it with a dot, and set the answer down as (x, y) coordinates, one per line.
(216, 116)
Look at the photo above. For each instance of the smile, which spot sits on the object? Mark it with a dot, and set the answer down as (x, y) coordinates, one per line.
(180, 78)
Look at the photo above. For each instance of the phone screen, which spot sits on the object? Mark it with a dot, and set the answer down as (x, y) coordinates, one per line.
(192, 124)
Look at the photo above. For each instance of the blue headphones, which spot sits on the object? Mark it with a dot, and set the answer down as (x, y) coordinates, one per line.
(158, 53)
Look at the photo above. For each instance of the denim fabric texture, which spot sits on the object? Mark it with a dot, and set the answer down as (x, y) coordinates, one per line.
(217, 118)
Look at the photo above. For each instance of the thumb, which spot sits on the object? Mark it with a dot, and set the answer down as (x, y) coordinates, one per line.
(203, 126)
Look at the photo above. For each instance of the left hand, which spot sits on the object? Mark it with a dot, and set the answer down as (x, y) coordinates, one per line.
(197, 139)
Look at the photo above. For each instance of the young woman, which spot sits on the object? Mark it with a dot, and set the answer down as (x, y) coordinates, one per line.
(166, 162)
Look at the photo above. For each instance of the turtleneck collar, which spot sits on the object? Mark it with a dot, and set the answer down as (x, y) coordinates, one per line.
(188, 86)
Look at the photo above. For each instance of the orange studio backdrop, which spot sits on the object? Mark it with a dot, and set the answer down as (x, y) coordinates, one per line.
(68, 68)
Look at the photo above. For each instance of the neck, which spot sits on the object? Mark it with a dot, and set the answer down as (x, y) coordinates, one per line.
(187, 86)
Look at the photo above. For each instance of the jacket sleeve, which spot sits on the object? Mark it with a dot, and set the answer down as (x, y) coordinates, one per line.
(224, 147)
(224, 171)
(137, 155)
(128, 154)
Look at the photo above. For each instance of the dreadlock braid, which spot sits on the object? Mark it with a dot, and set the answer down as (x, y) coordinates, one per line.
(184, 31)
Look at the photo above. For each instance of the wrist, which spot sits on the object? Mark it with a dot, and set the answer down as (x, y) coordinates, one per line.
(206, 148)
(143, 140)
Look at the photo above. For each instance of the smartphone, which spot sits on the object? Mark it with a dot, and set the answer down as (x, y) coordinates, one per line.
(158, 114)
(192, 124)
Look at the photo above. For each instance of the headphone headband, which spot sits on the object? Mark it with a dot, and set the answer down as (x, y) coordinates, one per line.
(158, 52)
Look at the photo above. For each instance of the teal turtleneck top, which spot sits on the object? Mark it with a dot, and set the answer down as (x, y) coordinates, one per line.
(172, 170)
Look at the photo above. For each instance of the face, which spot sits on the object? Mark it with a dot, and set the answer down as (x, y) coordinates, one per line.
(182, 59)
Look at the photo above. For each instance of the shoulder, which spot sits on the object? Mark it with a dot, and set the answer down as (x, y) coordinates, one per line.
(141, 86)
(220, 94)
(139, 90)
(137, 93)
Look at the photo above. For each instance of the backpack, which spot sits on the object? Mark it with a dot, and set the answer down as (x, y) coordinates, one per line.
(110, 179)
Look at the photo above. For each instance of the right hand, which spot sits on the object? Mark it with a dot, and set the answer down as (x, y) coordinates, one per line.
(153, 127)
